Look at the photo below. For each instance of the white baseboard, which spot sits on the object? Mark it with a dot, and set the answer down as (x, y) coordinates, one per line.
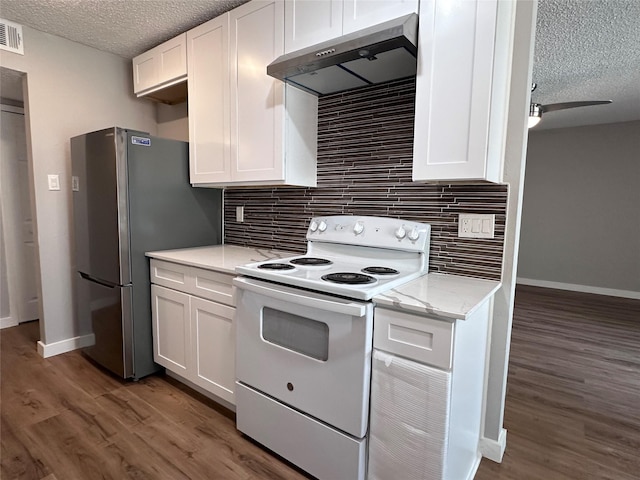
(63, 346)
(612, 292)
(6, 322)
(492, 449)
(474, 468)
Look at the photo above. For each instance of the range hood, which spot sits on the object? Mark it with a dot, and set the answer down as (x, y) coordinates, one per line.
(377, 54)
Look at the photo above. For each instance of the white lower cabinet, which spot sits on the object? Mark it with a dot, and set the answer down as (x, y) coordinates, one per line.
(427, 388)
(213, 342)
(193, 336)
(171, 329)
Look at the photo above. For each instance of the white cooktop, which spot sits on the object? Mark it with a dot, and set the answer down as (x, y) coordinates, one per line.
(351, 244)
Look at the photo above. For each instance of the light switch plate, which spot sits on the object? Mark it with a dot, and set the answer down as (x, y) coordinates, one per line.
(472, 225)
(240, 214)
(54, 182)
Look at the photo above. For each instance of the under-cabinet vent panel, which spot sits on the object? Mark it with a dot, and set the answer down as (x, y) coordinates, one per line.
(11, 37)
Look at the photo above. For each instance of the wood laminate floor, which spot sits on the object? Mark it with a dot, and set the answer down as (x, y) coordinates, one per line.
(573, 407)
(573, 389)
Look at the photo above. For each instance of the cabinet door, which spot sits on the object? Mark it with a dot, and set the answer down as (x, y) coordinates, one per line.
(308, 22)
(208, 50)
(170, 316)
(414, 402)
(213, 339)
(145, 71)
(161, 66)
(454, 90)
(359, 14)
(172, 59)
(257, 112)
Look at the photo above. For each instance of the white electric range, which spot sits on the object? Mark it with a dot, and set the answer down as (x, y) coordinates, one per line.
(304, 329)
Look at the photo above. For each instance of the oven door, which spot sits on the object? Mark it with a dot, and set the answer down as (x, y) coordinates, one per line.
(307, 350)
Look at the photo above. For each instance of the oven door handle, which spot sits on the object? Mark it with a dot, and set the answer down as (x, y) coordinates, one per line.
(307, 299)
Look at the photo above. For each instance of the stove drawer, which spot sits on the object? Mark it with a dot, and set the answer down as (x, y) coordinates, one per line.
(313, 446)
(418, 338)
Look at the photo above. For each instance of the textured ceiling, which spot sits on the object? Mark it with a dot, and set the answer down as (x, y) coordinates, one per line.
(585, 49)
(588, 50)
(124, 27)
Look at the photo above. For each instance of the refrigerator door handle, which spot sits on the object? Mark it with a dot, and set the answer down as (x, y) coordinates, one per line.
(104, 283)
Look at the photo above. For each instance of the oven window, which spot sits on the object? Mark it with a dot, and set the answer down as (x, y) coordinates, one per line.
(300, 334)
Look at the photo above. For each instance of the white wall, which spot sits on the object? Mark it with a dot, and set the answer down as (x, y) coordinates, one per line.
(581, 212)
(4, 285)
(70, 89)
(493, 443)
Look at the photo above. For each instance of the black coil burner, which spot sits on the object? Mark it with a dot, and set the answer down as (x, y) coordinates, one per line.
(380, 271)
(349, 278)
(311, 261)
(276, 266)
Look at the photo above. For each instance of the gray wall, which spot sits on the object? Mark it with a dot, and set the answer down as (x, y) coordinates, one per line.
(581, 211)
(71, 89)
(173, 121)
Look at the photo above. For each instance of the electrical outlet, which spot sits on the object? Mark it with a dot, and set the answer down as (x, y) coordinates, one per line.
(240, 214)
(471, 225)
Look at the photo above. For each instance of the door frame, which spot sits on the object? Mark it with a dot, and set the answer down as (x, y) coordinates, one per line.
(13, 240)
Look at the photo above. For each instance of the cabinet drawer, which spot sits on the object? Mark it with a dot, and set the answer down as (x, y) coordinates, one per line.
(212, 285)
(172, 275)
(422, 339)
(202, 283)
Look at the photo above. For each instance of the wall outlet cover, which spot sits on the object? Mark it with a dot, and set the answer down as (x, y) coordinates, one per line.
(472, 225)
(54, 182)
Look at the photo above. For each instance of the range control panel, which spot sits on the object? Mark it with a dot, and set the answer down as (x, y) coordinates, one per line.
(378, 232)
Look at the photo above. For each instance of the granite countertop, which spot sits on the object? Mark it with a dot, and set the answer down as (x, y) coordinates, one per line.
(218, 258)
(448, 296)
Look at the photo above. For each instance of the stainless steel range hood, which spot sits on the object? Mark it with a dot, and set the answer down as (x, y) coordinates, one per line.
(377, 54)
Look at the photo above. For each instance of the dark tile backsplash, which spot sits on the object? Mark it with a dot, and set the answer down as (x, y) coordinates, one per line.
(365, 146)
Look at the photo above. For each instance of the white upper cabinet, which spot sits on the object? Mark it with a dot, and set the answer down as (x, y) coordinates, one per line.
(359, 14)
(258, 105)
(245, 128)
(209, 148)
(160, 67)
(462, 89)
(309, 22)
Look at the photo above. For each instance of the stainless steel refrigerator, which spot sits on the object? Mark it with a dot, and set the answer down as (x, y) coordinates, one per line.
(131, 195)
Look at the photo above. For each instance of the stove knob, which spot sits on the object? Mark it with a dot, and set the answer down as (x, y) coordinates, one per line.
(400, 233)
(358, 228)
(314, 226)
(323, 226)
(414, 234)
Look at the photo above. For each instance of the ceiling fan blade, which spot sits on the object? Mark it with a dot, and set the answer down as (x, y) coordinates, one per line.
(564, 105)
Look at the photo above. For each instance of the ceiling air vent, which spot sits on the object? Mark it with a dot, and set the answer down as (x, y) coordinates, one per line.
(11, 37)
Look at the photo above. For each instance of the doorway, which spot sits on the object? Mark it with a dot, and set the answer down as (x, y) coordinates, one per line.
(19, 299)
